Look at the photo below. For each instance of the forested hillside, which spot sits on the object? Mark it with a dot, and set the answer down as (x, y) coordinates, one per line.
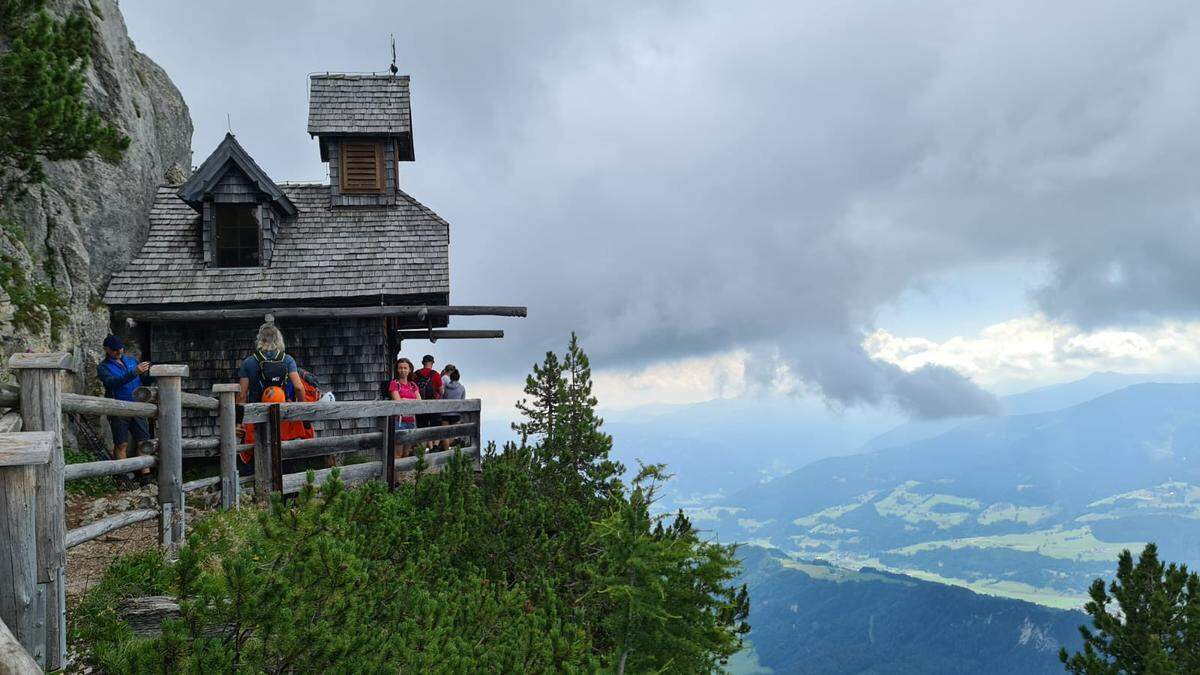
(817, 618)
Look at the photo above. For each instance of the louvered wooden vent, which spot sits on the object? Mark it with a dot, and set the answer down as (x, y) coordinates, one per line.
(362, 168)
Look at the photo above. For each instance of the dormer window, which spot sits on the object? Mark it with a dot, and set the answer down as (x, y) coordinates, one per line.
(237, 240)
(362, 167)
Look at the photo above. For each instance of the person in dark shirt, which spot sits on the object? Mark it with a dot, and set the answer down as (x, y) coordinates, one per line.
(121, 375)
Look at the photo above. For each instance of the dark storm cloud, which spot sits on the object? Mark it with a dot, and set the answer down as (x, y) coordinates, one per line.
(680, 179)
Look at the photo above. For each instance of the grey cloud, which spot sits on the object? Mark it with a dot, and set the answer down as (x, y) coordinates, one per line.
(672, 179)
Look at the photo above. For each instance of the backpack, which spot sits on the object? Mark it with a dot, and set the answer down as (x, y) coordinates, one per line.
(273, 372)
(424, 385)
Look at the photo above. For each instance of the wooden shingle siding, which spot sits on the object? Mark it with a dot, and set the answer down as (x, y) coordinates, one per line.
(235, 188)
(348, 356)
(377, 105)
(324, 252)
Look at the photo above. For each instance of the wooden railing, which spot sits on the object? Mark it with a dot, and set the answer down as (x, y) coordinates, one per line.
(33, 473)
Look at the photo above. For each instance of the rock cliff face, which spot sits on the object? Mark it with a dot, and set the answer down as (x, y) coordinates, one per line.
(89, 218)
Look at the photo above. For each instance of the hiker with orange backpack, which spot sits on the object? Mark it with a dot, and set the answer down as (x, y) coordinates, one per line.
(270, 375)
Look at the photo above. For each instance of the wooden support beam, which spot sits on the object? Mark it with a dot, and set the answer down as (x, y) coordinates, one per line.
(103, 526)
(26, 448)
(435, 335)
(170, 453)
(400, 311)
(194, 401)
(255, 413)
(31, 361)
(358, 473)
(330, 445)
(18, 564)
(227, 444)
(39, 378)
(108, 467)
(96, 405)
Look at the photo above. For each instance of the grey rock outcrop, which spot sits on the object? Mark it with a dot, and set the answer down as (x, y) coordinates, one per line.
(90, 217)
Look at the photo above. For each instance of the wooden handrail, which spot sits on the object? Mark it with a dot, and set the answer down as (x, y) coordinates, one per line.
(110, 467)
(357, 473)
(103, 526)
(256, 413)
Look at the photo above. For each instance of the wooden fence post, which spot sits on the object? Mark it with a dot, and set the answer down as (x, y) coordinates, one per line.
(171, 525)
(41, 410)
(262, 462)
(276, 450)
(227, 433)
(477, 437)
(20, 453)
(389, 451)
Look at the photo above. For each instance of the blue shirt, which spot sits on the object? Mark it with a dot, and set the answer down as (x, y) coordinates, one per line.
(120, 377)
(250, 370)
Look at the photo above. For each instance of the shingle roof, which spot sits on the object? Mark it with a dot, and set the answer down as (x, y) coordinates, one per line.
(229, 151)
(359, 104)
(325, 252)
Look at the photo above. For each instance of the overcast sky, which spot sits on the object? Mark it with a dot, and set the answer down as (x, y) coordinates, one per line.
(884, 203)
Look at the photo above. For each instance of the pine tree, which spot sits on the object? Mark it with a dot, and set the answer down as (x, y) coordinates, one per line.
(1155, 628)
(43, 114)
(672, 608)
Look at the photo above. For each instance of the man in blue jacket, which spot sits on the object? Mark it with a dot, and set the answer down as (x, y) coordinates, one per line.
(121, 374)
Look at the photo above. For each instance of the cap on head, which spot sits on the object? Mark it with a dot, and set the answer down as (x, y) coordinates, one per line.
(274, 395)
(114, 343)
(428, 358)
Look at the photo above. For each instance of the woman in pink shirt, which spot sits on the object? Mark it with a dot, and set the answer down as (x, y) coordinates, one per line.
(404, 388)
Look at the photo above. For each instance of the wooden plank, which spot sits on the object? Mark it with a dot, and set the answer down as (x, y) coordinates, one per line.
(50, 361)
(26, 448)
(14, 659)
(337, 410)
(170, 455)
(18, 560)
(108, 467)
(406, 311)
(227, 444)
(41, 410)
(202, 443)
(103, 526)
(168, 370)
(330, 445)
(96, 405)
(189, 400)
(412, 436)
(435, 335)
(213, 481)
(358, 473)
(226, 388)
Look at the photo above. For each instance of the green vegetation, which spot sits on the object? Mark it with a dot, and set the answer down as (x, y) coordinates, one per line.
(37, 307)
(545, 562)
(1056, 542)
(1146, 621)
(43, 114)
(92, 487)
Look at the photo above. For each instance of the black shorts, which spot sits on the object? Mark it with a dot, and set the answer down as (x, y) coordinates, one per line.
(451, 418)
(124, 427)
(429, 420)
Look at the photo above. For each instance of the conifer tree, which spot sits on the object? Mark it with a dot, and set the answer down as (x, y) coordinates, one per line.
(42, 110)
(1154, 627)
